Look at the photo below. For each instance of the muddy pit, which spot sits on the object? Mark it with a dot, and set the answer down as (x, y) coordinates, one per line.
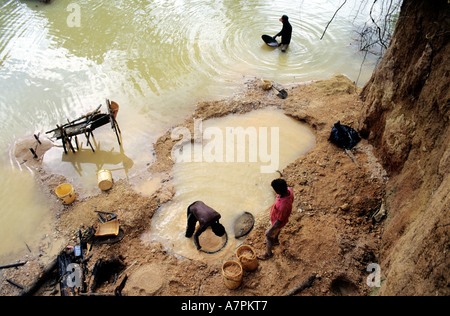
(331, 232)
(229, 167)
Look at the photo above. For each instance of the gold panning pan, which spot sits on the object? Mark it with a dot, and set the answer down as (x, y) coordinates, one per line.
(243, 224)
(110, 228)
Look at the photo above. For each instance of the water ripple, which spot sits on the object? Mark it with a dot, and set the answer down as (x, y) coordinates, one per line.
(172, 50)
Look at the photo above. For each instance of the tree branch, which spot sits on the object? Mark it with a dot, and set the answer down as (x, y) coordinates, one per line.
(345, 1)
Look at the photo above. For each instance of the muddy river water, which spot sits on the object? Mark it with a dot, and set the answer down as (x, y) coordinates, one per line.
(156, 59)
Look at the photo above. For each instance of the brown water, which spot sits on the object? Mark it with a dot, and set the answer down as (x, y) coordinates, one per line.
(233, 187)
(157, 59)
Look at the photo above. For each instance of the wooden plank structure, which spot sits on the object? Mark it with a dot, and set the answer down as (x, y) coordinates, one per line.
(86, 125)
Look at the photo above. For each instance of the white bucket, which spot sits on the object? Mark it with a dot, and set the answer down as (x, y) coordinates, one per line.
(105, 180)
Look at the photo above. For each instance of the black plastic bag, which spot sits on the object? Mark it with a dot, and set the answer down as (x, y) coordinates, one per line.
(344, 136)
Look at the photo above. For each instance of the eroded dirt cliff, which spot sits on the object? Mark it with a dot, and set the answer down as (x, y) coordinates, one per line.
(406, 117)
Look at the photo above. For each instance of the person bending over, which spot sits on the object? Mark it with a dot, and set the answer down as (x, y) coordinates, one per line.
(279, 214)
(206, 216)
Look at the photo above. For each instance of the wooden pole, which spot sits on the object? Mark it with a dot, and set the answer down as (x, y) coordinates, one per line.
(302, 286)
(13, 265)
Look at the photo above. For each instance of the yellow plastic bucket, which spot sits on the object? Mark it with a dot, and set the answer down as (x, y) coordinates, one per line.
(105, 180)
(232, 274)
(66, 193)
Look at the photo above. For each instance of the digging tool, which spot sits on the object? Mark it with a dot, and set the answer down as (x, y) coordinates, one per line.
(280, 93)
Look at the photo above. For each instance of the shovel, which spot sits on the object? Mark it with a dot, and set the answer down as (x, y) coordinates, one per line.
(280, 93)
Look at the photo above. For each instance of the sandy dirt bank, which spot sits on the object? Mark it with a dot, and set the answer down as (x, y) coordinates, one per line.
(331, 233)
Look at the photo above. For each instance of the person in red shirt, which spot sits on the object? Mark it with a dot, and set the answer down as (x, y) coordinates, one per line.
(279, 215)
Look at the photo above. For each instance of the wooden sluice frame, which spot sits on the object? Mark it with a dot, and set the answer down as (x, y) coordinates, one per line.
(86, 125)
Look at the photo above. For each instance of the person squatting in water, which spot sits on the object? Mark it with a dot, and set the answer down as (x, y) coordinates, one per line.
(285, 33)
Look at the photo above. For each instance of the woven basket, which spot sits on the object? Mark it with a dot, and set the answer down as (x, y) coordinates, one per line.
(232, 279)
(247, 258)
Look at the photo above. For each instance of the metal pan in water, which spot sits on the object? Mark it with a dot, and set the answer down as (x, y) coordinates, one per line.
(269, 40)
